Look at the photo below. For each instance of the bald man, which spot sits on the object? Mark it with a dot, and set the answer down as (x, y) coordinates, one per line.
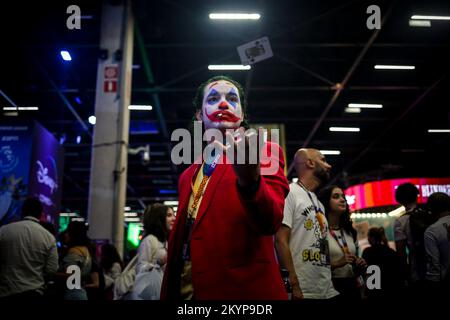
(301, 242)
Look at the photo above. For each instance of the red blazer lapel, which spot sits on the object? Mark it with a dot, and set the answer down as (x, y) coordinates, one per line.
(210, 190)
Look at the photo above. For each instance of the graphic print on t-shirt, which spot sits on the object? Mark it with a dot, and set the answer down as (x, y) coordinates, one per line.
(318, 252)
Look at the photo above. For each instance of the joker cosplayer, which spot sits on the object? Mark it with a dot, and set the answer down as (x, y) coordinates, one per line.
(221, 246)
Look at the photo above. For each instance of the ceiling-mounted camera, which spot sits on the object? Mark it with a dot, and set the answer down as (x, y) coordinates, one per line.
(144, 151)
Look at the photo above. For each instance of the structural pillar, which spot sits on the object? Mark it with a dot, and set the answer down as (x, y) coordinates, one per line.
(107, 191)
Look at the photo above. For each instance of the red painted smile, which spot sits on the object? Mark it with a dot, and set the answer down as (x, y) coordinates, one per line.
(222, 116)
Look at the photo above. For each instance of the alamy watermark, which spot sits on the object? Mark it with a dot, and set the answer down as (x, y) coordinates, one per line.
(239, 147)
(74, 20)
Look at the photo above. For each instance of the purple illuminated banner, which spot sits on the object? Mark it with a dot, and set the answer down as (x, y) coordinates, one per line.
(31, 164)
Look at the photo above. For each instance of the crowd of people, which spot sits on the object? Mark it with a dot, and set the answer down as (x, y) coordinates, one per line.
(236, 227)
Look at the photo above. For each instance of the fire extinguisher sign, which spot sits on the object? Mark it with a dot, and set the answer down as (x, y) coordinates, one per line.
(111, 76)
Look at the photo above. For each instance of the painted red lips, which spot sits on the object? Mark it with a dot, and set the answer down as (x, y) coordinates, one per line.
(222, 116)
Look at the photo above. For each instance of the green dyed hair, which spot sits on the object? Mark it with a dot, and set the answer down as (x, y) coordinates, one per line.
(198, 100)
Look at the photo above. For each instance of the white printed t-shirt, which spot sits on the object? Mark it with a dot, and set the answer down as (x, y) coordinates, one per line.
(309, 243)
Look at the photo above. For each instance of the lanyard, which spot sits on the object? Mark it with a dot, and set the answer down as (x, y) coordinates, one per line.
(319, 214)
(343, 245)
(207, 169)
(317, 208)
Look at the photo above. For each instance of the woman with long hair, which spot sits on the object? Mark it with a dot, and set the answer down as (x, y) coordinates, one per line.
(346, 266)
(152, 252)
(78, 254)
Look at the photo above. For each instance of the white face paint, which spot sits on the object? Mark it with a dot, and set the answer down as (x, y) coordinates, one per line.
(221, 108)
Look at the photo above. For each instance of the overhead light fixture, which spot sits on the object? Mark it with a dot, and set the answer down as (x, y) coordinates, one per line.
(132, 219)
(228, 67)
(419, 23)
(130, 214)
(365, 105)
(170, 202)
(234, 16)
(127, 208)
(138, 107)
(92, 120)
(344, 129)
(393, 67)
(20, 108)
(419, 17)
(66, 55)
(330, 152)
(352, 110)
(438, 130)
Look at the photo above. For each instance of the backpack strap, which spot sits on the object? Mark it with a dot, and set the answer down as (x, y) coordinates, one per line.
(154, 243)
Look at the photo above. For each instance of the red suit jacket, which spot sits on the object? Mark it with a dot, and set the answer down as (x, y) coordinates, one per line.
(232, 249)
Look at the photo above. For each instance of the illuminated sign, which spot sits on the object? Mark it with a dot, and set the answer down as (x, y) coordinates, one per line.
(382, 193)
(133, 234)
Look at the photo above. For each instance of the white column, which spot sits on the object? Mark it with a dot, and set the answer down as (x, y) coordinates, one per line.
(107, 191)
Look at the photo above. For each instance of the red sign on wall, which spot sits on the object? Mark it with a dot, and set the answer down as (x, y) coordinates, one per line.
(382, 193)
(111, 76)
(110, 86)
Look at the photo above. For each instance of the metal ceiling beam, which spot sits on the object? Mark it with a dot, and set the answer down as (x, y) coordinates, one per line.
(151, 82)
(161, 89)
(203, 45)
(66, 102)
(304, 69)
(388, 128)
(340, 86)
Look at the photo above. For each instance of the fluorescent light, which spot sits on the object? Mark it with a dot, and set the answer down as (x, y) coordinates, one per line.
(330, 152)
(352, 110)
(28, 108)
(20, 108)
(344, 129)
(136, 107)
(234, 16)
(132, 219)
(66, 55)
(92, 120)
(10, 114)
(130, 214)
(438, 130)
(228, 67)
(393, 67)
(171, 202)
(127, 208)
(365, 105)
(419, 23)
(419, 17)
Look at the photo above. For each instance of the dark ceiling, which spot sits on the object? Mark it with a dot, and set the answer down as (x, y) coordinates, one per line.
(316, 45)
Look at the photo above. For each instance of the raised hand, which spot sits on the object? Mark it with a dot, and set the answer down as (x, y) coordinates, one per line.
(245, 156)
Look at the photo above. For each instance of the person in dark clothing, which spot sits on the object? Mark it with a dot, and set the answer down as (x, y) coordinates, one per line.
(379, 254)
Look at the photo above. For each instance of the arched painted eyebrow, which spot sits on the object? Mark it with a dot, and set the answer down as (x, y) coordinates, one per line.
(213, 92)
(233, 92)
(213, 84)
